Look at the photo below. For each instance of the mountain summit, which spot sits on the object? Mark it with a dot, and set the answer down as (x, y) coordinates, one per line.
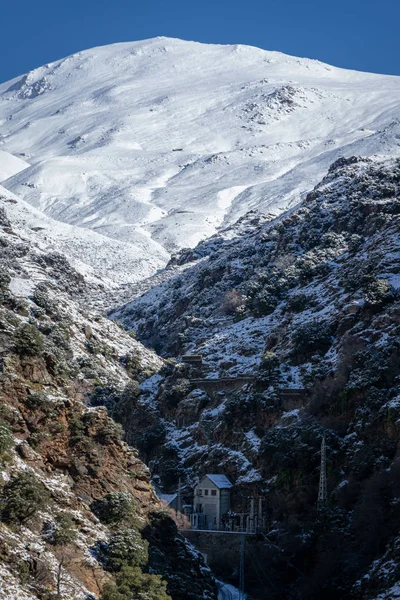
(154, 145)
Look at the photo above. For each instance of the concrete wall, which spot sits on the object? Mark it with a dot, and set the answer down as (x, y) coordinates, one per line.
(220, 548)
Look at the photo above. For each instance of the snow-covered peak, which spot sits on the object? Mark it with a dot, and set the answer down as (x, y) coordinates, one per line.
(160, 142)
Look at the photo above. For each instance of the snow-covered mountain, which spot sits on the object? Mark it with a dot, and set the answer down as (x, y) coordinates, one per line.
(154, 145)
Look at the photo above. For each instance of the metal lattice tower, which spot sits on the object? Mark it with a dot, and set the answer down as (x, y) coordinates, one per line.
(323, 488)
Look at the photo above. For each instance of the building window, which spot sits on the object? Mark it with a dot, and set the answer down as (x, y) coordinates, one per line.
(206, 492)
(213, 492)
(199, 492)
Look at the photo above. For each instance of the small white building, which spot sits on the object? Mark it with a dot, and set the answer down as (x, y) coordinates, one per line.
(212, 500)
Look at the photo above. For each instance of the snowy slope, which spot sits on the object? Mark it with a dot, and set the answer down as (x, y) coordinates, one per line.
(158, 143)
(10, 165)
(98, 258)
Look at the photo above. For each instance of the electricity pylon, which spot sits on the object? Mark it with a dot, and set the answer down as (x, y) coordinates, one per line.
(323, 488)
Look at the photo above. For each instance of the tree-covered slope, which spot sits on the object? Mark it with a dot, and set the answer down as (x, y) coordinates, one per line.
(308, 302)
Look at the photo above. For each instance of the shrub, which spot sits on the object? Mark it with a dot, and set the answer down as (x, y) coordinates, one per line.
(269, 369)
(110, 433)
(269, 362)
(22, 497)
(312, 336)
(42, 299)
(265, 301)
(151, 437)
(6, 439)
(28, 340)
(133, 363)
(5, 280)
(127, 548)
(232, 302)
(60, 336)
(38, 401)
(115, 508)
(132, 584)
(105, 396)
(378, 293)
(64, 531)
(299, 302)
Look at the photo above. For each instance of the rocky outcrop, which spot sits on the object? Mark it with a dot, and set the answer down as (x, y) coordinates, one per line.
(60, 456)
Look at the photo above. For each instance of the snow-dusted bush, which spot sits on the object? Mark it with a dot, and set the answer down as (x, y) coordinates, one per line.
(232, 302)
(127, 548)
(115, 508)
(38, 401)
(378, 293)
(42, 299)
(28, 341)
(133, 584)
(4, 280)
(314, 336)
(22, 497)
(6, 439)
(269, 368)
(299, 302)
(63, 532)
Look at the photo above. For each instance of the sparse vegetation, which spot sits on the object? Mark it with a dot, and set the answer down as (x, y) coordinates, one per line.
(116, 508)
(22, 497)
(28, 341)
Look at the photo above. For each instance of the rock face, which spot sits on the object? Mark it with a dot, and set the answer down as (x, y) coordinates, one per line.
(308, 305)
(61, 456)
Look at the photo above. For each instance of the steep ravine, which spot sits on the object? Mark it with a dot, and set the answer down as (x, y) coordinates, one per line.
(310, 302)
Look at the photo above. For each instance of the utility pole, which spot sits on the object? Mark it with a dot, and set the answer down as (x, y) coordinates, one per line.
(260, 515)
(323, 488)
(252, 514)
(241, 569)
(179, 507)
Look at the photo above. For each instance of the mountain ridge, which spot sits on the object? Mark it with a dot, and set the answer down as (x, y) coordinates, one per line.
(160, 143)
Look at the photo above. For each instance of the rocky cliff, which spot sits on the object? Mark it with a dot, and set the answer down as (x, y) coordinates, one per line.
(78, 515)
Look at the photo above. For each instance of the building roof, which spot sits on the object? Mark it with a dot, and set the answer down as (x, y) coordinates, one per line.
(221, 481)
(167, 498)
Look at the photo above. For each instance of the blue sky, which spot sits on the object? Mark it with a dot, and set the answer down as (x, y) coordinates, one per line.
(357, 34)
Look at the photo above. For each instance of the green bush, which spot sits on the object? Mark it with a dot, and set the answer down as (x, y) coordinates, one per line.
(60, 336)
(268, 369)
(127, 548)
(28, 341)
(151, 437)
(299, 302)
(42, 299)
(378, 293)
(6, 439)
(22, 497)
(312, 336)
(115, 508)
(39, 401)
(132, 584)
(64, 532)
(5, 280)
(133, 363)
(265, 301)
